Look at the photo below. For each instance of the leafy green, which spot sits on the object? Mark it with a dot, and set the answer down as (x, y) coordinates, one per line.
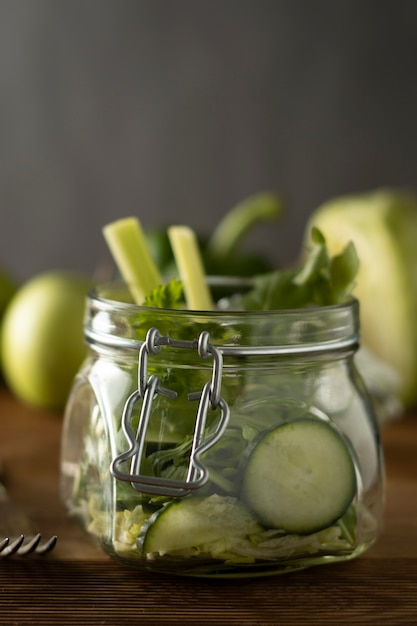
(322, 280)
(167, 296)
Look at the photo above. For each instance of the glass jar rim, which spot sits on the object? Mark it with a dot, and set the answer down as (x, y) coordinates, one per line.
(339, 323)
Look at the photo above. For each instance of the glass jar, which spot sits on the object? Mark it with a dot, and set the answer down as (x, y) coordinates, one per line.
(222, 444)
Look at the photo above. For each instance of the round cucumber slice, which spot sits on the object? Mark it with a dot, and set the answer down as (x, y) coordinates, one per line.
(300, 477)
(195, 521)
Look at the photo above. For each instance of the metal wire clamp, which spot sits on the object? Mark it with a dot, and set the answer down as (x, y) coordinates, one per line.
(209, 398)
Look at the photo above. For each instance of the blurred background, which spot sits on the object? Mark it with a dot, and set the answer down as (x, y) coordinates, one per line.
(174, 110)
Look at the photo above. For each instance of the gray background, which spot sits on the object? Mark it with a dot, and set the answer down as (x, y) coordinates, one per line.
(174, 110)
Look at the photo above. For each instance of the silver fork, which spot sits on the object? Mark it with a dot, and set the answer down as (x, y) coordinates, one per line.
(17, 531)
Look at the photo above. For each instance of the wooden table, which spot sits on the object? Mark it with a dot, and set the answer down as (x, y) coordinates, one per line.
(77, 583)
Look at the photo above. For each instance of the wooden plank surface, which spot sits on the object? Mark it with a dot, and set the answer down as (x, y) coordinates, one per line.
(78, 584)
(364, 591)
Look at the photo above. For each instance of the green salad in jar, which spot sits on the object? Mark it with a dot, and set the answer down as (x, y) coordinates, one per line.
(225, 463)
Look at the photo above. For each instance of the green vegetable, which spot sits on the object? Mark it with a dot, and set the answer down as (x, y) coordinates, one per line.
(231, 517)
(382, 225)
(194, 521)
(224, 241)
(220, 252)
(138, 534)
(299, 477)
(322, 280)
(130, 251)
(167, 296)
(190, 267)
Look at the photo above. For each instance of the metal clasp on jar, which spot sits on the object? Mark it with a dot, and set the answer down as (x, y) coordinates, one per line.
(209, 398)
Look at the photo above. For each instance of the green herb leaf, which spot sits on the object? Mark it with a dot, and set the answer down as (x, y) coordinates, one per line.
(321, 280)
(168, 296)
(343, 270)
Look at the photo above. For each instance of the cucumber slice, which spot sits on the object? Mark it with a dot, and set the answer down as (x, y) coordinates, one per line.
(195, 521)
(300, 477)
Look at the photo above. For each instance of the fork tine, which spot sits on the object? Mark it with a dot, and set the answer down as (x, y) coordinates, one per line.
(20, 548)
(30, 546)
(24, 544)
(47, 546)
(4, 543)
(12, 548)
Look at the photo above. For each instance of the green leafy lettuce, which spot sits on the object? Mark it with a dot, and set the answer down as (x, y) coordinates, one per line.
(321, 280)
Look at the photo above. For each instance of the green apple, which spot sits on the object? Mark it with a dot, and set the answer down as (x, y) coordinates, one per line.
(383, 226)
(42, 340)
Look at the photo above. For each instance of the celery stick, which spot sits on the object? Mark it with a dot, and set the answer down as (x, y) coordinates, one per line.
(190, 267)
(229, 231)
(127, 243)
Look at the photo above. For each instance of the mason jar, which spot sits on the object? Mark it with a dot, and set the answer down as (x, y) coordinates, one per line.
(225, 443)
